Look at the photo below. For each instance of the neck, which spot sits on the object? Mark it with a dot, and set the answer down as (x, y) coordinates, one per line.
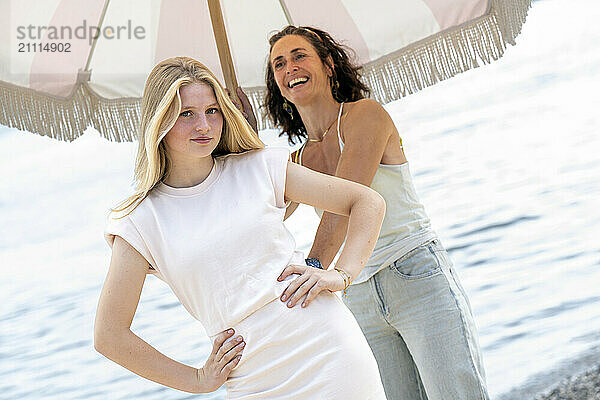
(188, 173)
(318, 116)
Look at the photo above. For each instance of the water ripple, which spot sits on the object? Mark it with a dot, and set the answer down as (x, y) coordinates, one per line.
(489, 227)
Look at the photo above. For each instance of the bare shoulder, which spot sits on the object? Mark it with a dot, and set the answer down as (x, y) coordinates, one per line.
(124, 254)
(366, 115)
(364, 105)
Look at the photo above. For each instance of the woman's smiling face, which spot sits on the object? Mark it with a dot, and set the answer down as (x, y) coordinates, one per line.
(198, 128)
(298, 70)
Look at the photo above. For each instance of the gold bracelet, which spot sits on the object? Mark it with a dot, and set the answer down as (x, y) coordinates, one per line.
(347, 279)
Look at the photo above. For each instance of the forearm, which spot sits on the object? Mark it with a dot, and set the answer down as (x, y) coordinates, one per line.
(133, 353)
(364, 224)
(329, 237)
(289, 210)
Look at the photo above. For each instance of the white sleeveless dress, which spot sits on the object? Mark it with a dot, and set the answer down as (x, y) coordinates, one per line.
(220, 246)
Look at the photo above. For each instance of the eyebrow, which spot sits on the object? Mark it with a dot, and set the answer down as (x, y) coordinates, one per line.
(293, 51)
(210, 105)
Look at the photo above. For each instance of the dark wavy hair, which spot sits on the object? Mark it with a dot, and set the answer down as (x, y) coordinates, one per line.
(345, 73)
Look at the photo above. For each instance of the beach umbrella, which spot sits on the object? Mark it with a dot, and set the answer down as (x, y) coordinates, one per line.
(69, 64)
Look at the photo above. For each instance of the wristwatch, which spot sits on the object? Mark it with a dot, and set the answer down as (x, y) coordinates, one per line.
(313, 262)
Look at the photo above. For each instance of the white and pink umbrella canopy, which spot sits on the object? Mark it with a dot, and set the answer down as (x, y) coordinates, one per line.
(68, 64)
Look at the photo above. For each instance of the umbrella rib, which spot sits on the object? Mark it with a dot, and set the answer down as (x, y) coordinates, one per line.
(89, 59)
(286, 12)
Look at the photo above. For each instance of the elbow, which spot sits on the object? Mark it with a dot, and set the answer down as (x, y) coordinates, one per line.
(383, 205)
(373, 203)
(369, 203)
(101, 341)
(105, 341)
(99, 345)
(379, 204)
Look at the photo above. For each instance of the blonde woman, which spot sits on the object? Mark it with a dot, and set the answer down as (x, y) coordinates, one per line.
(207, 218)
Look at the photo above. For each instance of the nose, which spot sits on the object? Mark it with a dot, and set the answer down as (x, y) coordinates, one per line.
(290, 68)
(202, 124)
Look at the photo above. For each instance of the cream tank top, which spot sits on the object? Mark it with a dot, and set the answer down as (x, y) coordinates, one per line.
(405, 225)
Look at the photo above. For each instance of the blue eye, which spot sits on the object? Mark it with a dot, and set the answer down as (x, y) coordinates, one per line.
(213, 110)
(186, 113)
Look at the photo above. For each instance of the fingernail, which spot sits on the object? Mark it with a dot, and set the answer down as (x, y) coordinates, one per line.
(239, 338)
(290, 304)
(283, 297)
(230, 331)
(303, 305)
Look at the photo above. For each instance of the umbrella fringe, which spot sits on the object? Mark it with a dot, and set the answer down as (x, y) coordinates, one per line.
(67, 118)
(434, 59)
(447, 54)
(390, 78)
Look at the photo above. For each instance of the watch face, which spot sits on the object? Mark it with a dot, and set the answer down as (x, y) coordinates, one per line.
(314, 262)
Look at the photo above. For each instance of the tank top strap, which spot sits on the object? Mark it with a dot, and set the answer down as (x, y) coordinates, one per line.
(339, 118)
(298, 156)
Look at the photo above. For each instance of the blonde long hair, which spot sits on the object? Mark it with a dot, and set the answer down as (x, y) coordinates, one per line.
(161, 105)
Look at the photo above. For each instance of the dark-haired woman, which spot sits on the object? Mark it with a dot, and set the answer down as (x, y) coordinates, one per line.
(407, 299)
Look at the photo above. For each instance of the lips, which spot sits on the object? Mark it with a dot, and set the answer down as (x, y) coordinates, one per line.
(202, 140)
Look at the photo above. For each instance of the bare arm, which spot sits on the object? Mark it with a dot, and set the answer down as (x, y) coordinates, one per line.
(289, 210)
(364, 208)
(367, 130)
(113, 336)
(292, 206)
(329, 238)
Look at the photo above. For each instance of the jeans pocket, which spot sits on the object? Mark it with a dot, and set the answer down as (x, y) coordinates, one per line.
(421, 262)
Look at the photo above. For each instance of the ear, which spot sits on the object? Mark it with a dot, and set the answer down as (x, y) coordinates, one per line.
(329, 66)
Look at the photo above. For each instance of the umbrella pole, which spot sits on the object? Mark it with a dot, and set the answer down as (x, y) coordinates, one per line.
(100, 23)
(216, 16)
(286, 12)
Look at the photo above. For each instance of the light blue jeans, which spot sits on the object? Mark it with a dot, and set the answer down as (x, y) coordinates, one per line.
(418, 321)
